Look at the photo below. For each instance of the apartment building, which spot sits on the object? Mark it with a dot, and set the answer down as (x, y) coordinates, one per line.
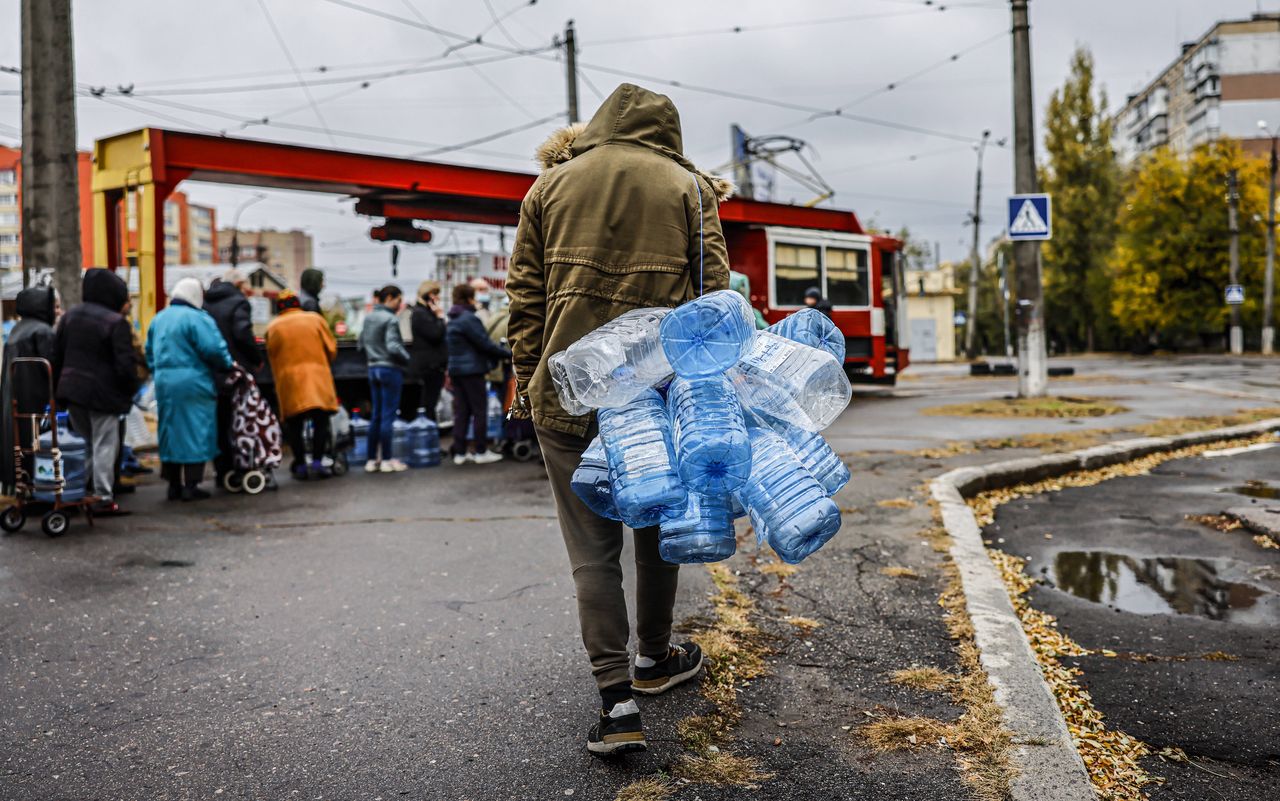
(287, 253)
(1220, 86)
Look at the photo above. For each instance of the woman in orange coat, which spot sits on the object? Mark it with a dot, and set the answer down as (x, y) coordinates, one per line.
(300, 348)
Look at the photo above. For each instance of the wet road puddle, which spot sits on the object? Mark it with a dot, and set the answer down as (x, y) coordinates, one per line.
(1161, 585)
(1255, 489)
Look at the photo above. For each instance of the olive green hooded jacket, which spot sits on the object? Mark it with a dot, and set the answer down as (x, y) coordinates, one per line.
(612, 224)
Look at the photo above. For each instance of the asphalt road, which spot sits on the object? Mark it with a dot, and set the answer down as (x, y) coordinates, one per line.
(1127, 571)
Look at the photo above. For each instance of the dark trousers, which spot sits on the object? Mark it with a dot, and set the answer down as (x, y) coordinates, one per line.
(385, 384)
(432, 383)
(470, 408)
(595, 550)
(224, 462)
(294, 428)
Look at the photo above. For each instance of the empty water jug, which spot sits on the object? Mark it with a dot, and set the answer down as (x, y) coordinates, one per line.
(400, 439)
(713, 454)
(704, 533)
(793, 382)
(560, 380)
(359, 437)
(815, 454)
(424, 441)
(497, 418)
(787, 505)
(813, 328)
(708, 335)
(590, 481)
(614, 363)
(637, 443)
(71, 454)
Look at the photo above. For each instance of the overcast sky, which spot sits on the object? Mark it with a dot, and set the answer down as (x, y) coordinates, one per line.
(817, 54)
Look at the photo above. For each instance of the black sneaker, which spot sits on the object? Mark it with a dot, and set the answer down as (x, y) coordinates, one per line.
(618, 732)
(682, 663)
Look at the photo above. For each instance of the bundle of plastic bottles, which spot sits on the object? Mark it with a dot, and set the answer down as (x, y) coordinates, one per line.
(703, 419)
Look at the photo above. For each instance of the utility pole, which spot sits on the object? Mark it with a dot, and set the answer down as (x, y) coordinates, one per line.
(1033, 368)
(1269, 282)
(971, 323)
(1236, 336)
(50, 179)
(571, 69)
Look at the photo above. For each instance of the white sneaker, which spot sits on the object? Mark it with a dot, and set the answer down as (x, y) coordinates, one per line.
(488, 457)
(372, 466)
(394, 466)
(463, 458)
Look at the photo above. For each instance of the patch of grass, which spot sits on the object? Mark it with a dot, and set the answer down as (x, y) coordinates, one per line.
(895, 734)
(931, 679)
(899, 572)
(719, 767)
(803, 625)
(654, 788)
(1053, 406)
(779, 569)
(896, 503)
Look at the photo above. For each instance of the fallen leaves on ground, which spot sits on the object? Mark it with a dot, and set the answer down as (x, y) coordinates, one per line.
(896, 503)
(899, 572)
(1051, 406)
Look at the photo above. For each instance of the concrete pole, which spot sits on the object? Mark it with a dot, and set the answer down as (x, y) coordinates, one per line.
(1033, 367)
(571, 69)
(1004, 301)
(1236, 335)
(1269, 283)
(50, 179)
(975, 268)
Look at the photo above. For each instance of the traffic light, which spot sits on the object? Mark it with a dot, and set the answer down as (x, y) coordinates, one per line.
(393, 230)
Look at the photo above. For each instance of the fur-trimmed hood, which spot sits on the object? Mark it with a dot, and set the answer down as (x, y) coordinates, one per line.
(632, 115)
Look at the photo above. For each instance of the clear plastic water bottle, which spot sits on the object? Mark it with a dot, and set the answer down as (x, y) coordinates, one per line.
(637, 443)
(708, 335)
(359, 437)
(400, 439)
(590, 481)
(424, 441)
(497, 418)
(813, 328)
(787, 505)
(75, 478)
(560, 380)
(614, 363)
(704, 533)
(713, 454)
(815, 454)
(789, 381)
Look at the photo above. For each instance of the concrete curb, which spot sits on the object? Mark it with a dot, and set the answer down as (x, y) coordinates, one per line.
(1049, 764)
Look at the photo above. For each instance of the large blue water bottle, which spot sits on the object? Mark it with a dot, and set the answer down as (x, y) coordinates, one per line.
(497, 417)
(813, 328)
(704, 533)
(590, 481)
(424, 441)
(787, 505)
(360, 437)
(637, 443)
(400, 439)
(713, 454)
(74, 475)
(815, 454)
(708, 335)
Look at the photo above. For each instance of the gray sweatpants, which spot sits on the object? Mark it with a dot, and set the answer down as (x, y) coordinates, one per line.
(101, 431)
(595, 550)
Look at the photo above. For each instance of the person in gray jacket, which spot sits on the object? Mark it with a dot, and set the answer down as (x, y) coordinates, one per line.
(387, 357)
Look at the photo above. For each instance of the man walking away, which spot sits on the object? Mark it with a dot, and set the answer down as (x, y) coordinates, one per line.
(428, 355)
(97, 373)
(301, 348)
(618, 220)
(311, 283)
(227, 301)
(471, 355)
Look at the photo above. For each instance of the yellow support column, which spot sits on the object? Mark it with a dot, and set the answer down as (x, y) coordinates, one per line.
(150, 256)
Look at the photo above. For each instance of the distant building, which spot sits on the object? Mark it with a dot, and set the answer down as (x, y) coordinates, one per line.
(287, 253)
(11, 208)
(1220, 86)
(931, 311)
(459, 268)
(189, 232)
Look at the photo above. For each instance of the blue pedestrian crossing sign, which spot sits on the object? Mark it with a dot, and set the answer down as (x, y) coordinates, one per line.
(1234, 294)
(1030, 217)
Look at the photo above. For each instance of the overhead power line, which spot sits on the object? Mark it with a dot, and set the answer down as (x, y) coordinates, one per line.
(306, 90)
(487, 138)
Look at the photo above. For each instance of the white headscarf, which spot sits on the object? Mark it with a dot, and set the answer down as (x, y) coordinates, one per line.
(189, 290)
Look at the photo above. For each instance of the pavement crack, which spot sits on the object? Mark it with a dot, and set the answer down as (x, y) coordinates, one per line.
(456, 604)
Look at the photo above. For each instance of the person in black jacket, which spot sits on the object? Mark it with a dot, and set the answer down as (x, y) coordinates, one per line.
(471, 355)
(428, 356)
(227, 301)
(97, 373)
(31, 337)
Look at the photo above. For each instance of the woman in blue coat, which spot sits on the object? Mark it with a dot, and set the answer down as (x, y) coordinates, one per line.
(184, 351)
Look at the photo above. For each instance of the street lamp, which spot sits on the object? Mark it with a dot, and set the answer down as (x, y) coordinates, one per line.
(235, 227)
(1268, 286)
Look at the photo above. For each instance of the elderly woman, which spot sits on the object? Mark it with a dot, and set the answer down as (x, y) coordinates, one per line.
(184, 351)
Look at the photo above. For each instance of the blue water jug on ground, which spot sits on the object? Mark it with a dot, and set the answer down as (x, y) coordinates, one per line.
(74, 475)
(424, 441)
(815, 454)
(360, 437)
(713, 454)
(707, 335)
(813, 328)
(400, 439)
(637, 443)
(704, 533)
(787, 505)
(497, 418)
(590, 482)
